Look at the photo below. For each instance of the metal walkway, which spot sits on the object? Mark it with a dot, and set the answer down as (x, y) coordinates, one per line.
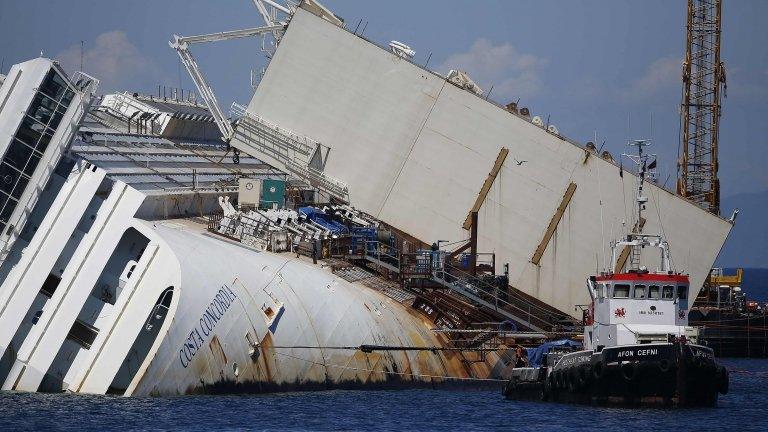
(296, 155)
(470, 287)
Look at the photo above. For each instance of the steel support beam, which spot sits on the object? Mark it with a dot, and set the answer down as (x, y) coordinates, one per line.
(553, 223)
(487, 185)
(227, 35)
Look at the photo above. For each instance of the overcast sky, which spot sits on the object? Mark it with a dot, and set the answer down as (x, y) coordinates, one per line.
(604, 67)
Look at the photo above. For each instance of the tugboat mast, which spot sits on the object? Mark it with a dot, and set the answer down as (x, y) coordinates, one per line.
(635, 240)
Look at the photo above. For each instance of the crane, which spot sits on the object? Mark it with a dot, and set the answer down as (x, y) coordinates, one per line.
(271, 12)
(275, 16)
(181, 45)
(703, 85)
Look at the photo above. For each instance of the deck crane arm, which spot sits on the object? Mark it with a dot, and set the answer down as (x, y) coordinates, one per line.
(270, 17)
(269, 11)
(181, 45)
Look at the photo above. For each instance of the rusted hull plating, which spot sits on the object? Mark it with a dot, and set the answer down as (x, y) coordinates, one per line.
(276, 323)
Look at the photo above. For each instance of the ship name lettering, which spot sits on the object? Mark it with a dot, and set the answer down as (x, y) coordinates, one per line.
(211, 316)
(638, 353)
(705, 354)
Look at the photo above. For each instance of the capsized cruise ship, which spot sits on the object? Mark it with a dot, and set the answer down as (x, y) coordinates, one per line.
(152, 246)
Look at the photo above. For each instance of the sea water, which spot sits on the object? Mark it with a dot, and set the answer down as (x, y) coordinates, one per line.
(744, 408)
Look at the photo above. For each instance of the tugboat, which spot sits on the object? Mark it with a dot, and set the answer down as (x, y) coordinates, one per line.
(638, 349)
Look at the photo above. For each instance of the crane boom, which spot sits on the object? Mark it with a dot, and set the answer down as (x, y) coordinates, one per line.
(703, 77)
(181, 45)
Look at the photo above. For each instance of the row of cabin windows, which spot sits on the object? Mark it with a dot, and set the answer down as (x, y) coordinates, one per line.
(643, 292)
(31, 139)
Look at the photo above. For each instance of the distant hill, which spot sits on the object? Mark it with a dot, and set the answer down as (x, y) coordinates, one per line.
(747, 246)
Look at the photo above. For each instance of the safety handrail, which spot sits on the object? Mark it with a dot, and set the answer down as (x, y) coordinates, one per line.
(490, 289)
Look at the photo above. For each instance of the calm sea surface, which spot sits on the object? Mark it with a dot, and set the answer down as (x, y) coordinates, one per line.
(744, 408)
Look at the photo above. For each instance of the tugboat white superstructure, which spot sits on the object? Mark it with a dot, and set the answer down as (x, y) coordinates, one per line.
(638, 347)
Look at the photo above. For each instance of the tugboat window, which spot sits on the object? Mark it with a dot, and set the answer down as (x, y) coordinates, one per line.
(654, 292)
(668, 293)
(639, 291)
(682, 292)
(621, 291)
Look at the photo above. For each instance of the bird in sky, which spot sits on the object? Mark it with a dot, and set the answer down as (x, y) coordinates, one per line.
(520, 162)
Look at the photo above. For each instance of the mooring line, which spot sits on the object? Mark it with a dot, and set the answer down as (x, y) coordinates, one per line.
(371, 348)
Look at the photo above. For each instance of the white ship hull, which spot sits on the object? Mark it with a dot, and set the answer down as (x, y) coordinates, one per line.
(196, 313)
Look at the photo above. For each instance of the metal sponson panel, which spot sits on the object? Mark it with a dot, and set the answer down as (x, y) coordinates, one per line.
(415, 151)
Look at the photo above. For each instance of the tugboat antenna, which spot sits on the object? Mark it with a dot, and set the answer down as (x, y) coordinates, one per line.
(646, 165)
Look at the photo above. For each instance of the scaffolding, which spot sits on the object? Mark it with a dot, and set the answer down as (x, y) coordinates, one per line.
(703, 78)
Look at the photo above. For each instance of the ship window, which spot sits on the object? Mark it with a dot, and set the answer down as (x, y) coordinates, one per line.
(55, 120)
(29, 131)
(668, 292)
(31, 165)
(682, 292)
(621, 291)
(8, 179)
(83, 334)
(53, 85)
(44, 140)
(7, 210)
(68, 95)
(42, 108)
(601, 291)
(639, 292)
(18, 154)
(654, 292)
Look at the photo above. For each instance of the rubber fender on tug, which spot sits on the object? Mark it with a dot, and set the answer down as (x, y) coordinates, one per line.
(723, 381)
(573, 379)
(629, 371)
(583, 374)
(561, 381)
(547, 389)
(509, 387)
(598, 370)
(665, 365)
